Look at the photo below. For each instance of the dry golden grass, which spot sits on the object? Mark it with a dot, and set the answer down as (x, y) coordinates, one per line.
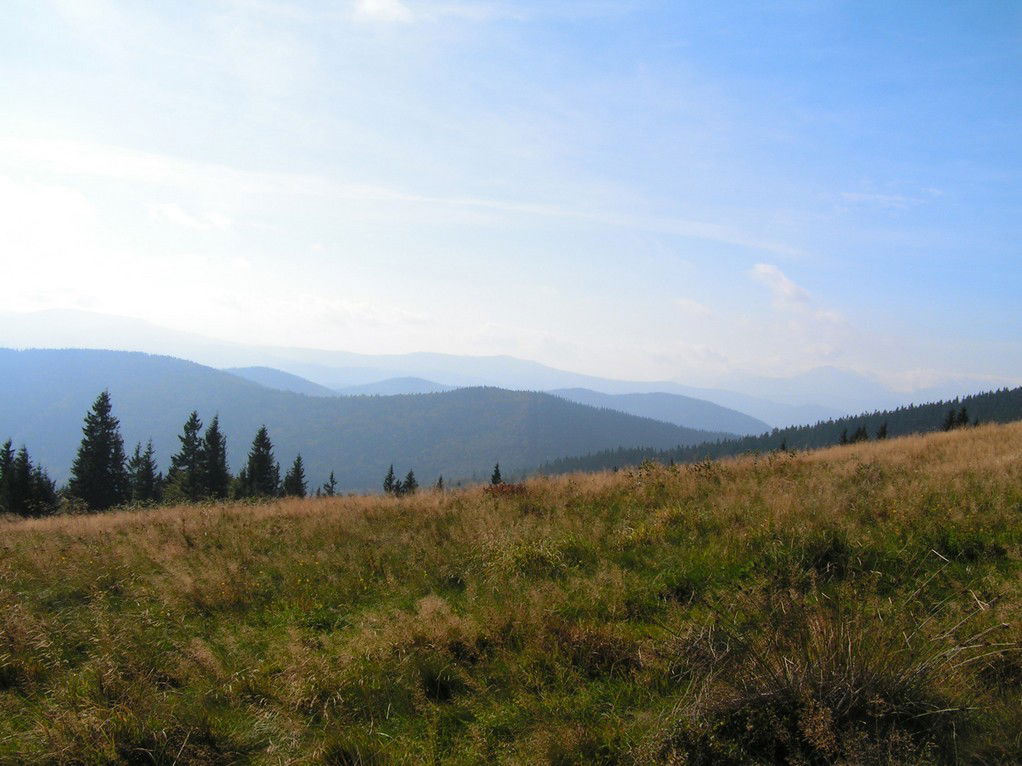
(660, 614)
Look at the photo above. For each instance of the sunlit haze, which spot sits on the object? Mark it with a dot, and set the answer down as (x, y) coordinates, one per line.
(642, 190)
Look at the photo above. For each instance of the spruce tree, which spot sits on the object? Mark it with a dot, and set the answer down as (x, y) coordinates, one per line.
(495, 477)
(185, 478)
(409, 485)
(262, 474)
(330, 488)
(215, 473)
(44, 493)
(6, 462)
(439, 486)
(950, 421)
(294, 480)
(20, 483)
(98, 475)
(963, 417)
(239, 486)
(388, 481)
(25, 490)
(144, 480)
(882, 431)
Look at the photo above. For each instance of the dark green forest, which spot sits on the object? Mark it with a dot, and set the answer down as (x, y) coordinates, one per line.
(1002, 406)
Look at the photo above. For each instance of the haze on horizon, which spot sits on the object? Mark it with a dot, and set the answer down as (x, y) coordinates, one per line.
(641, 190)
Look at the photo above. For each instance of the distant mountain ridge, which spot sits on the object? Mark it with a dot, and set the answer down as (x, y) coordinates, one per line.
(396, 387)
(280, 380)
(803, 398)
(671, 408)
(44, 394)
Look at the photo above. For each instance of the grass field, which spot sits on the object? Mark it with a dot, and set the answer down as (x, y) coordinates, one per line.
(858, 604)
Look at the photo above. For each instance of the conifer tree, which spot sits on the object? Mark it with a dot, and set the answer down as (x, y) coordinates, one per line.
(844, 437)
(330, 488)
(185, 478)
(20, 482)
(44, 494)
(294, 480)
(239, 486)
(215, 473)
(409, 485)
(882, 431)
(99, 477)
(439, 486)
(25, 490)
(389, 481)
(950, 421)
(495, 477)
(262, 474)
(963, 417)
(6, 462)
(144, 480)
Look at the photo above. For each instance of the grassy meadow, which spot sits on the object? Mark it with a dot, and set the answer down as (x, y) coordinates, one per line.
(859, 604)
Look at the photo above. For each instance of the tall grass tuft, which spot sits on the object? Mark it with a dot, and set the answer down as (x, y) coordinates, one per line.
(803, 677)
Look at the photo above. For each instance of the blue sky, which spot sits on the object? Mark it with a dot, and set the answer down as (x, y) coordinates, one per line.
(632, 189)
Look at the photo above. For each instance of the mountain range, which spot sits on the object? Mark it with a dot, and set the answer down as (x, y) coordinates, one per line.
(806, 397)
(671, 408)
(44, 395)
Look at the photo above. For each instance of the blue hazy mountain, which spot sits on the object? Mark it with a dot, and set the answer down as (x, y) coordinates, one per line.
(802, 398)
(395, 387)
(281, 381)
(671, 408)
(44, 395)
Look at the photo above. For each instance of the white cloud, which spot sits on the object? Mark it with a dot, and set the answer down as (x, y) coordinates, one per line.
(383, 10)
(896, 201)
(175, 214)
(692, 307)
(786, 294)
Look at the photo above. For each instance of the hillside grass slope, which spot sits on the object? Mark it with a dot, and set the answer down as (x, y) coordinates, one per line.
(859, 604)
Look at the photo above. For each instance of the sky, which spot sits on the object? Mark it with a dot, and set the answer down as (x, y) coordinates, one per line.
(634, 189)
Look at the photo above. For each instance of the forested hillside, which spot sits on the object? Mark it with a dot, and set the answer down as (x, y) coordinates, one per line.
(280, 380)
(671, 408)
(44, 395)
(1003, 406)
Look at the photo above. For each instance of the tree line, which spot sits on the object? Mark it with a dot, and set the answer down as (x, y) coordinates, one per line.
(409, 485)
(103, 476)
(1000, 406)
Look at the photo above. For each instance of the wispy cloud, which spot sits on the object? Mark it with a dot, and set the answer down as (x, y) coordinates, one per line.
(383, 10)
(175, 214)
(67, 159)
(405, 11)
(786, 293)
(790, 297)
(693, 307)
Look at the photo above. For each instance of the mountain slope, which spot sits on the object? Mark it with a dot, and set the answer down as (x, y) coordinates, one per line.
(281, 381)
(1003, 406)
(395, 387)
(671, 408)
(44, 394)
